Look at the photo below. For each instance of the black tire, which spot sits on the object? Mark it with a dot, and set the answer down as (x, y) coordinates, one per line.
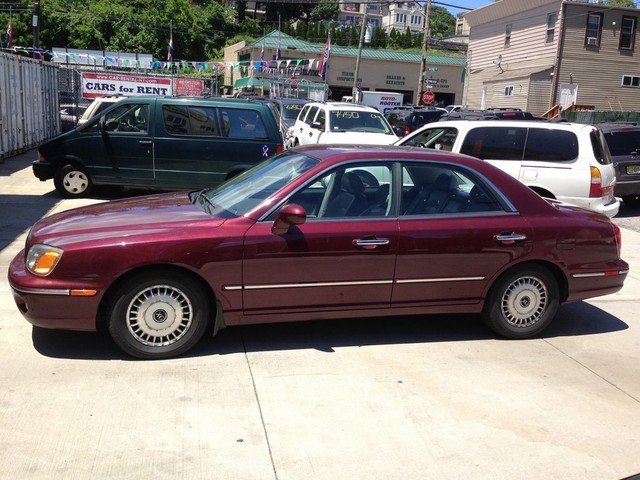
(522, 302)
(632, 201)
(158, 315)
(73, 181)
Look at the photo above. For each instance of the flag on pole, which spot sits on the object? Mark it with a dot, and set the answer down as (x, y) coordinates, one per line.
(262, 52)
(278, 50)
(9, 35)
(324, 61)
(170, 49)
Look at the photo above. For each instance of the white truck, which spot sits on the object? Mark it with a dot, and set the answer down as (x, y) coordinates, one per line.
(382, 101)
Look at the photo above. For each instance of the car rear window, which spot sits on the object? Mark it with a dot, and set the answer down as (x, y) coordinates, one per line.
(551, 145)
(623, 142)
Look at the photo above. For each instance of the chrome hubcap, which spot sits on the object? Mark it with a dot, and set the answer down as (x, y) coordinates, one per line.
(524, 302)
(75, 182)
(159, 315)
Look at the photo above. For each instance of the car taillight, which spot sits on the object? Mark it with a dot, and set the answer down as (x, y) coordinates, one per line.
(596, 190)
(279, 148)
(618, 235)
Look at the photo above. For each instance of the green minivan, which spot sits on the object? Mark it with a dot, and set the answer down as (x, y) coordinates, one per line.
(167, 143)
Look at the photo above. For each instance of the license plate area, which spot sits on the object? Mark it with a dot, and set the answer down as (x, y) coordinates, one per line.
(633, 169)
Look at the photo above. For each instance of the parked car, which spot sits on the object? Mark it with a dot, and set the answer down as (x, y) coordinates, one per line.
(96, 106)
(566, 161)
(341, 123)
(289, 108)
(167, 143)
(69, 115)
(404, 121)
(317, 232)
(624, 144)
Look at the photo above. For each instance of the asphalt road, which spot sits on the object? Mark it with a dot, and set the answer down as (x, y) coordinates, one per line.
(413, 398)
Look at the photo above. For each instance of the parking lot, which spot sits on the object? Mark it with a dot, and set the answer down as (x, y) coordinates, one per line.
(411, 398)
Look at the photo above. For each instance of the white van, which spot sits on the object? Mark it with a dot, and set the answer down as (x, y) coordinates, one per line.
(566, 161)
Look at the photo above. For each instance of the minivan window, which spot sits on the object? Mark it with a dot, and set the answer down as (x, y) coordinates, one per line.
(185, 120)
(521, 143)
(549, 145)
(242, 123)
(127, 118)
(600, 148)
(504, 143)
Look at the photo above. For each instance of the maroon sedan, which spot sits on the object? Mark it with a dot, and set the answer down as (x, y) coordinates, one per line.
(317, 232)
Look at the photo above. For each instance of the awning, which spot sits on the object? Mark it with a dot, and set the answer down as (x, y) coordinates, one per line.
(255, 82)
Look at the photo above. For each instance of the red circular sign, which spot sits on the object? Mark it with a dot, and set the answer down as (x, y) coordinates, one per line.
(428, 97)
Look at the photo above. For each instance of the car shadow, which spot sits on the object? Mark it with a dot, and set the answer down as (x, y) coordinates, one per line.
(576, 319)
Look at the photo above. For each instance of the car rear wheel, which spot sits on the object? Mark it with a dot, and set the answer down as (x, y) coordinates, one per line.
(632, 201)
(522, 302)
(158, 315)
(73, 181)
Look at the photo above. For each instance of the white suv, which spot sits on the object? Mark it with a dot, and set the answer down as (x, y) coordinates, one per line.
(340, 122)
(566, 161)
(97, 106)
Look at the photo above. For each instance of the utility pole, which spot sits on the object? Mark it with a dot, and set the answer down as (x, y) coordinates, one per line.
(36, 29)
(356, 74)
(425, 46)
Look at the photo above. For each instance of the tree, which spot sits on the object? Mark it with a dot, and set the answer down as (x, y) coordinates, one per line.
(622, 3)
(326, 10)
(441, 23)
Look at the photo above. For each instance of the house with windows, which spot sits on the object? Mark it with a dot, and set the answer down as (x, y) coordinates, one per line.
(542, 55)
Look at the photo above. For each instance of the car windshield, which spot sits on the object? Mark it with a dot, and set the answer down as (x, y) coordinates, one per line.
(290, 111)
(355, 121)
(240, 195)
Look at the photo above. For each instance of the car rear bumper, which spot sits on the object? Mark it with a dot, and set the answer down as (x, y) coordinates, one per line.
(624, 188)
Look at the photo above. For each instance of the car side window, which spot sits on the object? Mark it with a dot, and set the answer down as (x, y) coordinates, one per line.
(311, 114)
(128, 118)
(497, 143)
(204, 121)
(242, 123)
(355, 191)
(176, 119)
(439, 189)
(438, 138)
(551, 145)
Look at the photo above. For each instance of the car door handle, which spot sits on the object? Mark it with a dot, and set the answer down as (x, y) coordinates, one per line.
(370, 243)
(145, 142)
(509, 238)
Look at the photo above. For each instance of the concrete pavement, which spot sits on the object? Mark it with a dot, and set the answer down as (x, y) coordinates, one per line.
(434, 397)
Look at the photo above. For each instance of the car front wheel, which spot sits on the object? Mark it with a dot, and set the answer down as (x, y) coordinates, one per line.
(72, 181)
(522, 302)
(158, 315)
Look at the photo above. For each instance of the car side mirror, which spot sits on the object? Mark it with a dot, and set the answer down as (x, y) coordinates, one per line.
(290, 214)
(101, 125)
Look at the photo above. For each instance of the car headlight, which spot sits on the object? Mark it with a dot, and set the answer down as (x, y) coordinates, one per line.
(42, 259)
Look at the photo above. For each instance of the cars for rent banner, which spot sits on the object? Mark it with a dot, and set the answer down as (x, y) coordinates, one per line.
(100, 84)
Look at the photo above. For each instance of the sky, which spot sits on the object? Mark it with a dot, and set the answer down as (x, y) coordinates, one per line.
(463, 4)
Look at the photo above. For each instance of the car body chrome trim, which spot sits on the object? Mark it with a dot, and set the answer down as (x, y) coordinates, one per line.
(437, 280)
(42, 291)
(307, 285)
(350, 284)
(598, 274)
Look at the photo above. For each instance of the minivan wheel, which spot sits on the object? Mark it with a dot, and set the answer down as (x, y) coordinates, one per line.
(72, 181)
(632, 201)
(158, 315)
(522, 302)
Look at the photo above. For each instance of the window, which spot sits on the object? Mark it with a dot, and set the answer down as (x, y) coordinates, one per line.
(416, 20)
(242, 123)
(630, 81)
(128, 118)
(551, 145)
(628, 33)
(432, 137)
(490, 143)
(362, 190)
(551, 26)
(508, 91)
(594, 29)
(401, 18)
(439, 189)
(507, 35)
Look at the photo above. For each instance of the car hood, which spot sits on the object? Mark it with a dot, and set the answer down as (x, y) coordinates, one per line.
(152, 214)
(361, 138)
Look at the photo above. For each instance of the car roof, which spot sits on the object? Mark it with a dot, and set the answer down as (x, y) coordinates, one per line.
(344, 106)
(494, 123)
